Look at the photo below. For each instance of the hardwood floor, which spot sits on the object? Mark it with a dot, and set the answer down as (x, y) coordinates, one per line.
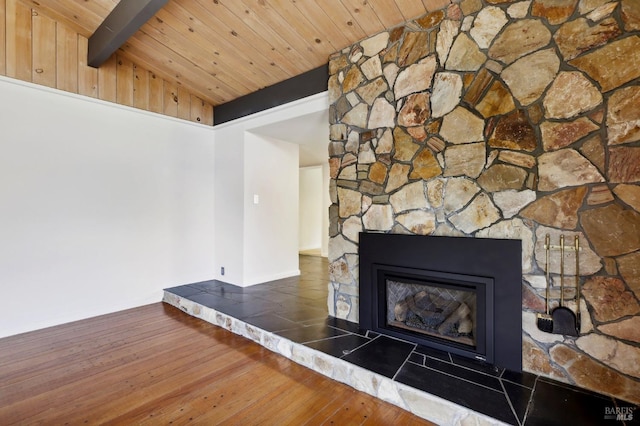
(158, 365)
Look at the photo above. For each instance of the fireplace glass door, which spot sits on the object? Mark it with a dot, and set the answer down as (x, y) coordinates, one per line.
(435, 310)
(448, 311)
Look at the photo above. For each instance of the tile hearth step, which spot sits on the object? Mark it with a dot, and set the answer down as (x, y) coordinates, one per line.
(432, 384)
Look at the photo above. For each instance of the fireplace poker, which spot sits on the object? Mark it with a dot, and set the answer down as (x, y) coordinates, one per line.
(545, 321)
(564, 320)
(577, 248)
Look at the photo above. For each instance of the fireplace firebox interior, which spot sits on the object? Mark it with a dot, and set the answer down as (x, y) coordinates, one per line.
(460, 295)
(452, 311)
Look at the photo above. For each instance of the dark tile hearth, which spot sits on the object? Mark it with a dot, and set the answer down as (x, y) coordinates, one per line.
(382, 355)
(295, 309)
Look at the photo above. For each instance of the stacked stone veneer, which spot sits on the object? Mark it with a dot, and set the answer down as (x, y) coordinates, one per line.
(503, 119)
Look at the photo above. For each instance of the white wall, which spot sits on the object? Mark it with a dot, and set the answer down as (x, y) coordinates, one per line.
(271, 225)
(247, 244)
(310, 212)
(101, 206)
(326, 202)
(229, 204)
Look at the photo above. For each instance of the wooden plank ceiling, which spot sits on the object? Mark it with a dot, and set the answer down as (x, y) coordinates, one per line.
(220, 50)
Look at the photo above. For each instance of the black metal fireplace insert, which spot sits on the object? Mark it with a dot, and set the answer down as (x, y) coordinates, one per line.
(460, 295)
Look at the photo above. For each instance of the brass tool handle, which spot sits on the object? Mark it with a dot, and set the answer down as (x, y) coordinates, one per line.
(547, 248)
(561, 270)
(577, 248)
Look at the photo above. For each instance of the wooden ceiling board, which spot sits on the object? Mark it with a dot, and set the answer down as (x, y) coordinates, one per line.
(57, 16)
(290, 31)
(149, 53)
(96, 8)
(83, 17)
(411, 9)
(251, 33)
(323, 23)
(220, 50)
(217, 39)
(270, 35)
(163, 27)
(387, 11)
(342, 18)
(308, 27)
(365, 16)
(433, 5)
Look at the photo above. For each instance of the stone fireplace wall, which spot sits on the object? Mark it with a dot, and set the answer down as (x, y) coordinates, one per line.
(503, 119)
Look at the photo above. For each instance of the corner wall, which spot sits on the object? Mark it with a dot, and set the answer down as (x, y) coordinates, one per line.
(509, 119)
(103, 206)
(311, 208)
(256, 243)
(271, 220)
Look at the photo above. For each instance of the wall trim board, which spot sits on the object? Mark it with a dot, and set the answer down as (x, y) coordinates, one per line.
(100, 101)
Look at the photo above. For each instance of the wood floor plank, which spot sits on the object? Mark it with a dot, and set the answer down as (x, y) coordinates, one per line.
(195, 398)
(85, 350)
(158, 365)
(109, 378)
(61, 334)
(104, 390)
(156, 382)
(83, 366)
(95, 346)
(313, 394)
(227, 398)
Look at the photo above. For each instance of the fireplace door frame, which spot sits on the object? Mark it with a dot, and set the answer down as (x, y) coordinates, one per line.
(500, 259)
(481, 286)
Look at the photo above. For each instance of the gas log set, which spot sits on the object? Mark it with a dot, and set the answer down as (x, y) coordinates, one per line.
(434, 311)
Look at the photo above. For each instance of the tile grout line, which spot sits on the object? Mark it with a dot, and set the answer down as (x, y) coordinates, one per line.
(506, 395)
(361, 346)
(406, 360)
(533, 390)
(456, 377)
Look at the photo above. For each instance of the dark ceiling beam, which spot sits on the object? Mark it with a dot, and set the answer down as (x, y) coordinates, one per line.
(123, 21)
(298, 87)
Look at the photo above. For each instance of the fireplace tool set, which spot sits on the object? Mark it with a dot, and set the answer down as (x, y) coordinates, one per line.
(561, 320)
